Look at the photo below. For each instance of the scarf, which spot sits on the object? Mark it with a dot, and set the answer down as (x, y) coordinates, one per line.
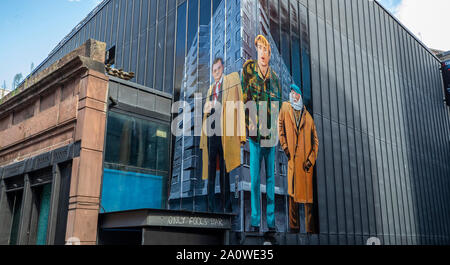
(296, 105)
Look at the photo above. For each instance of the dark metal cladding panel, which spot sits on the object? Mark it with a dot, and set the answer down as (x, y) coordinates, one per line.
(321, 180)
(324, 103)
(440, 132)
(401, 136)
(331, 69)
(338, 185)
(329, 173)
(347, 192)
(389, 128)
(397, 138)
(354, 182)
(361, 184)
(432, 131)
(429, 167)
(14, 170)
(405, 139)
(315, 64)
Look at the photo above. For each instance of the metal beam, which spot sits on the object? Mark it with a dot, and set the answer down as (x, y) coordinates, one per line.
(54, 202)
(165, 218)
(25, 215)
(5, 216)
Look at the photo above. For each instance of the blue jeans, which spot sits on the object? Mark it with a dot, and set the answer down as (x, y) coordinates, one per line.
(256, 154)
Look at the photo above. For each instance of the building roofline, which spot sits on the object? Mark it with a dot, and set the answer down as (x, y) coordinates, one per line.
(100, 6)
(72, 33)
(407, 30)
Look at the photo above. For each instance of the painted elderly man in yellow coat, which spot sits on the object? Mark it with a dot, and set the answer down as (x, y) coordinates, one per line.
(223, 133)
(298, 138)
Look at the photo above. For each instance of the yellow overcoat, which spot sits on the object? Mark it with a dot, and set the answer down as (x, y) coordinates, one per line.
(232, 92)
(303, 145)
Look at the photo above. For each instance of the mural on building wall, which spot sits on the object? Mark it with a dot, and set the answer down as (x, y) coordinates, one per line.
(237, 54)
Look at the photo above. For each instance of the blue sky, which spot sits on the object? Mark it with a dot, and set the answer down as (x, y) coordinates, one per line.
(30, 29)
(391, 5)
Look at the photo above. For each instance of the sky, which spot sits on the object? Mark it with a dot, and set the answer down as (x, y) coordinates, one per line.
(30, 29)
(424, 18)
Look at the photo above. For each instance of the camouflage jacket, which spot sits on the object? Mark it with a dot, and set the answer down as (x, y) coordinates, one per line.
(256, 88)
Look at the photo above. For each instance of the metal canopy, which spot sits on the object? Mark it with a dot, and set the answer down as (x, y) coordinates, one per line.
(165, 218)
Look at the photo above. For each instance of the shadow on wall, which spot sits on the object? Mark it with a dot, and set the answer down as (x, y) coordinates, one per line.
(379, 171)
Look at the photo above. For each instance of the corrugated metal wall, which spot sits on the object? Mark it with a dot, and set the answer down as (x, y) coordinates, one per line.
(383, 166)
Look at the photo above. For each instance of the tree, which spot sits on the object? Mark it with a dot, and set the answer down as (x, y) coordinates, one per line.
(16, 81)
(31, 67)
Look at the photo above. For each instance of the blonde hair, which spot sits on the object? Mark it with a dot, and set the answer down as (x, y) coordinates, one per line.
(261, 39)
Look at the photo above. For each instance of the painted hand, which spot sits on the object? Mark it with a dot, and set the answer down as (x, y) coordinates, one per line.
(307, 165)
(286, 151)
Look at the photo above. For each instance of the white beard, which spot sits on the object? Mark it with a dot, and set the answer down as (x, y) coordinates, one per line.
(296, 105)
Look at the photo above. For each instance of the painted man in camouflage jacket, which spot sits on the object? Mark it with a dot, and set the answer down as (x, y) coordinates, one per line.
(260, 84)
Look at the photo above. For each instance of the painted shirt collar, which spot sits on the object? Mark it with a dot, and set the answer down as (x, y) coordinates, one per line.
(269, 72)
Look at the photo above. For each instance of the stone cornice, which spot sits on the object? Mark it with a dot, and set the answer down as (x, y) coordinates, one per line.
(89, 56)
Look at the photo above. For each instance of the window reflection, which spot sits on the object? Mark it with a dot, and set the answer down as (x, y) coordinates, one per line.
(136, 164)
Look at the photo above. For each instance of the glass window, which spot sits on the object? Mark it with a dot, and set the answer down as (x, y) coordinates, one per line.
(216, 4)
(136, 163)
(170, 45)
(159, 71)
(238, 35)
(204, 53)
(205, 12)
(42, 202)
(180, 50)
(305, 55)
(237, 55)
(192, 22)
(274, 22)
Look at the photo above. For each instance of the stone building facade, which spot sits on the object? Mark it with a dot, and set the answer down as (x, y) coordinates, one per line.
(51, 151)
